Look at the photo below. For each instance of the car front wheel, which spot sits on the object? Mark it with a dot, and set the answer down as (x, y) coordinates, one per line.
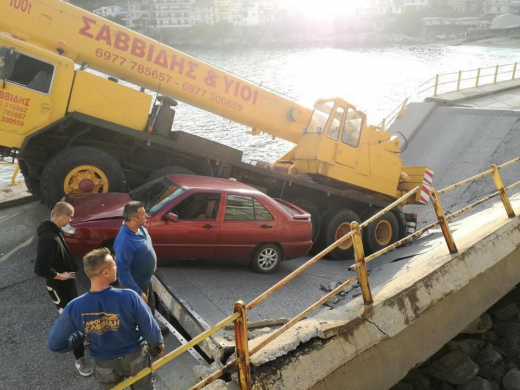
(266, 258)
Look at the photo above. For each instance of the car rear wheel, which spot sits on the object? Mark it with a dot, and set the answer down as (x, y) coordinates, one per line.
(266, 258)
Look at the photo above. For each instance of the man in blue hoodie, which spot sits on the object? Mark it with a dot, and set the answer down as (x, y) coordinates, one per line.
(135, 257)
(117, 323)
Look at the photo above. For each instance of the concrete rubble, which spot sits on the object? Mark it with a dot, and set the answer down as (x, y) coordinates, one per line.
(479, 358)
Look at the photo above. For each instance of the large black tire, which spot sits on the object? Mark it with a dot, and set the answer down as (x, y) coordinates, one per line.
(308, 206)
(266, 259)
(33, 186)
(335, 225)
(167, 171)
(68, 162)
(382, 232)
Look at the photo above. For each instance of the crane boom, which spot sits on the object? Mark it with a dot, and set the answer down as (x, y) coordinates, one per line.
(120, 52)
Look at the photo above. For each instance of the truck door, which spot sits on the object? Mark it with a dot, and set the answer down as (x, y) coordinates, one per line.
(25, 93)
(347, 147)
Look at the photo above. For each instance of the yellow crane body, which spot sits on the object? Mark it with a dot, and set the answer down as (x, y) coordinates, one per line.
(127, 55)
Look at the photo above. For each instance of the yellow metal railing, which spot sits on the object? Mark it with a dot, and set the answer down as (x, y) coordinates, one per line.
(239, 317)
(455, 81)
(15, 173)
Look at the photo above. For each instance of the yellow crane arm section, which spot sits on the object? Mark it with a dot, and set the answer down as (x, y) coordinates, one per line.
(122, 53)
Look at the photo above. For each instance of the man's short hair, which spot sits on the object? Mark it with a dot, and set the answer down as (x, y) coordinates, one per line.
(62, 208)
(95, 261)
(130, 209)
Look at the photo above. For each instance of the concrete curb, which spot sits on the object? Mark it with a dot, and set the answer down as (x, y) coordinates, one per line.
(16, 202)
(14, 195)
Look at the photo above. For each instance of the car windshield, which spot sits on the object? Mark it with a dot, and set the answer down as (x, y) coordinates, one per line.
(156, 194)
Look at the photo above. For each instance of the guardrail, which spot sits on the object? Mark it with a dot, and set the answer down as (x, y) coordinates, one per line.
(472, 78)
(455, 81)
(15, 173)
(239, 316)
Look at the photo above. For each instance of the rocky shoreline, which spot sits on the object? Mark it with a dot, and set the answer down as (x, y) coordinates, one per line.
(485, 356)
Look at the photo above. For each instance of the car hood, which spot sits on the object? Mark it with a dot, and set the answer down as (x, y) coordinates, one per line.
(92, 207)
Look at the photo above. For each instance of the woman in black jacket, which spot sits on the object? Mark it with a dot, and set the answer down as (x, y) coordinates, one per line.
(55, 263)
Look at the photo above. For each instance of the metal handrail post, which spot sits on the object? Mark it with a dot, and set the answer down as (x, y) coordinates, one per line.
(514, 71)
(496, 75)
(458, 81)
(402, 108)
(443, 221)
(242, 347)
(436, 85)
(359, 254)
(478, 76)
(13, 178)
(503, 194)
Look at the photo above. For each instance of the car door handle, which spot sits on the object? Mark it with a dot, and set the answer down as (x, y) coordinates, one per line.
(266, 226)
(210, 226)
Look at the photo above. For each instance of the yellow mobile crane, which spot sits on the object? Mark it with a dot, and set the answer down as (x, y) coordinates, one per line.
(72, 131)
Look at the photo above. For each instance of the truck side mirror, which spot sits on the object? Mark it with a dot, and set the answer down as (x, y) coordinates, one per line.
(170, 217)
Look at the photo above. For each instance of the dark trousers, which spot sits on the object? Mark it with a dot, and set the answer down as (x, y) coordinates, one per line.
(61, 293)
(110, 372)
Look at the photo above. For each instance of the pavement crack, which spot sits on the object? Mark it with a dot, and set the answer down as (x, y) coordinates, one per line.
(378, 328)
(19, 282)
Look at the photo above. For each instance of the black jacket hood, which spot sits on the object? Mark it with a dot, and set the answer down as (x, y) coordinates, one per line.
(48, 226)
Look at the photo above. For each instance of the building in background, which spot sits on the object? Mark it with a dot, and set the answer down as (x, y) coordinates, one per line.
(108, 11)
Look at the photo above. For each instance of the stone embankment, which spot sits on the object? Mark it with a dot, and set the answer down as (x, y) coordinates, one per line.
(485, 356)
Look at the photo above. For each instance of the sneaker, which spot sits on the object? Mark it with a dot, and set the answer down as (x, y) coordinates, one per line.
(84, 366)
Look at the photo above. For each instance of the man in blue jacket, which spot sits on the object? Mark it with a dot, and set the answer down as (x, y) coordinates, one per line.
(118, 324)
(135, 257)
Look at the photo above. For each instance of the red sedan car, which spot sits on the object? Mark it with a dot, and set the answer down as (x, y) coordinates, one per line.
(197, 217)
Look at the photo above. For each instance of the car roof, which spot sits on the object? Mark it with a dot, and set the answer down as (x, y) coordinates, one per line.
(211, 183)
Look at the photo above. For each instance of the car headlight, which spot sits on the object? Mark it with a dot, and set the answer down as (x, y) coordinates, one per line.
(68, 229)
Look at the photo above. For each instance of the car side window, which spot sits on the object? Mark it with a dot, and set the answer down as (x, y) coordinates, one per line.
(245, 208)
(261, 213)
(199, 206)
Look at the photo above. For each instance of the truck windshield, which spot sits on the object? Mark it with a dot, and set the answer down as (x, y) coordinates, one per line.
(319, 117)
(156, 194)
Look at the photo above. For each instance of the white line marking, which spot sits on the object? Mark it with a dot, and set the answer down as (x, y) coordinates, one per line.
(3, 219)
(23, 245)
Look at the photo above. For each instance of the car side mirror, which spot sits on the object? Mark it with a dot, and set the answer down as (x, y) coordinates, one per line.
(170, 217)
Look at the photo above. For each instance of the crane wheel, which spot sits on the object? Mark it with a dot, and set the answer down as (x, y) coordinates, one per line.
(80, 170)
(336, 224)
(309, 206)
(382, 232)
(167, 171)
(33, 186)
